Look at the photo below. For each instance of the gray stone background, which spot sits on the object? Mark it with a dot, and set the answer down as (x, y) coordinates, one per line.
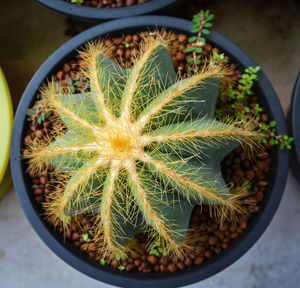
(269, 31)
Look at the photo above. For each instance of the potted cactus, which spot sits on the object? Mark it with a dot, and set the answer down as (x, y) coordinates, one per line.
(139, 153)
(99, 11)
(124, 156)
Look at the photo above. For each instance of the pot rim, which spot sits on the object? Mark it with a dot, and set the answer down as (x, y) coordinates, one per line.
(93, 13)
(72, 255)
(295, 129)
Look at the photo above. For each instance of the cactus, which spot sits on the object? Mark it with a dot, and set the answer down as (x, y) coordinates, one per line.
(139, 149)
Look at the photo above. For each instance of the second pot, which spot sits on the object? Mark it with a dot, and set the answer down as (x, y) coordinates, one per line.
(93, 14)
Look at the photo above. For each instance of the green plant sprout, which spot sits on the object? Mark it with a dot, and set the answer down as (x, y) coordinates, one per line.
(219, 58)
(77, 84)
(201, 22)
(126, 44)
(102, 261)
(77, 2)
(86, 237)
(154, 252)
(238, 97)
(158, 250)
(139, 155)
(39, 112)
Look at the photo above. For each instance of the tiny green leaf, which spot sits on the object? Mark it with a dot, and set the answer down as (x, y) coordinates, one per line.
(190, 49)
(86, 237)
(102, 261)
(193, 39)
(205, 31)
(160, 250)
(77, 2)
(154, 252)
(69, 81)
(209, 17)
(207, 25)
(31, 112)
(198, 50)
(196, 19)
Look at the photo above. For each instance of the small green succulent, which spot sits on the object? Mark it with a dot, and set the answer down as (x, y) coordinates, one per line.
(77, 2)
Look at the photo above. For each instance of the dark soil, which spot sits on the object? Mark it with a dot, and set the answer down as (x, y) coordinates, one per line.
(110, 3)
(238, 168)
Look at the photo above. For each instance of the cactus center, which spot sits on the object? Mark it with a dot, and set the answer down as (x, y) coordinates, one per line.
(121, 143)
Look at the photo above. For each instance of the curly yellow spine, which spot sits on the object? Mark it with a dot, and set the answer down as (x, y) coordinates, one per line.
(208, 132)
(104, 218)
(201, 191)
(150, 216)
(152, 43)
(84, 175)
(172, 93)
(90, 55)
(51, 93)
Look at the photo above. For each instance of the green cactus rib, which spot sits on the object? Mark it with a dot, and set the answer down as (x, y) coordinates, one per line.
(141, 148)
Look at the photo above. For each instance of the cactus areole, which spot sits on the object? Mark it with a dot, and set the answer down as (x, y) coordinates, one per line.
(172, 155)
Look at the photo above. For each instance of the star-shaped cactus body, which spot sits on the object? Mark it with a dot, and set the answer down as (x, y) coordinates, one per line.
(141, 148)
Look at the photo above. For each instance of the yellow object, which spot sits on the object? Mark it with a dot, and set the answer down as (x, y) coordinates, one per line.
(6, 122)
(6, 182)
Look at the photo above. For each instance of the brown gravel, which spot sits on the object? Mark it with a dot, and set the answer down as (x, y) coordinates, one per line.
(237, 167)
(111, 3)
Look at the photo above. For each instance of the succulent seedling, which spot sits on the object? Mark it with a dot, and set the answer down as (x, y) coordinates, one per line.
(138, 149)
(201, 21)
(77, 2)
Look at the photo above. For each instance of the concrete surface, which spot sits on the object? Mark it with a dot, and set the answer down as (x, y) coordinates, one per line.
(267, 30)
